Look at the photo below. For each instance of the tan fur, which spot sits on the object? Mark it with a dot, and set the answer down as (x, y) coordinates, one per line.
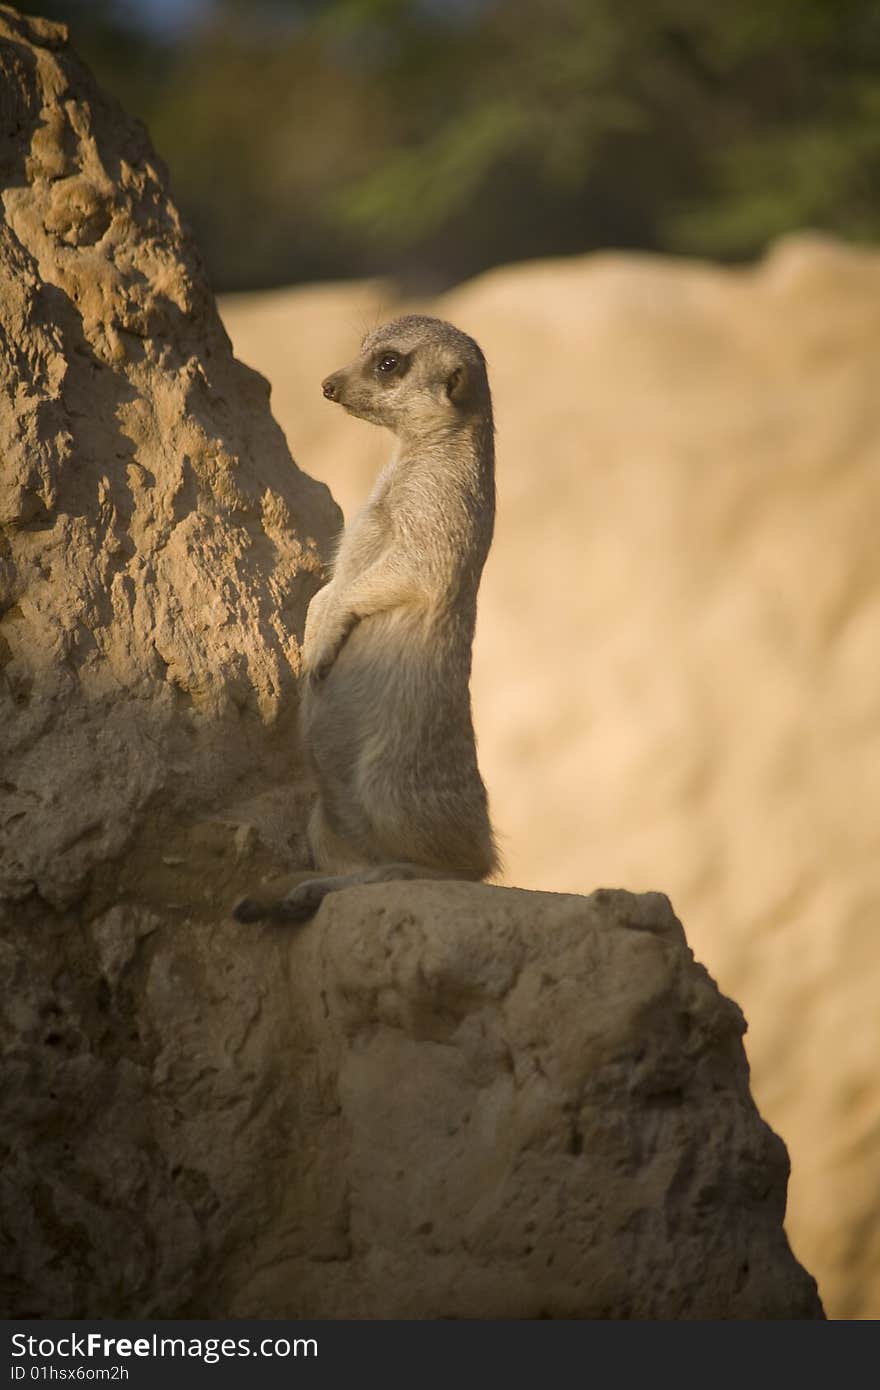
(386, 715)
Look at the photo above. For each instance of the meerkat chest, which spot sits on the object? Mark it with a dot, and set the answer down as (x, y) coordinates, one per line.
(363, 541)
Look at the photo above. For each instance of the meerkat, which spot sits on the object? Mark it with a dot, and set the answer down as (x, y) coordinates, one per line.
(385, 706)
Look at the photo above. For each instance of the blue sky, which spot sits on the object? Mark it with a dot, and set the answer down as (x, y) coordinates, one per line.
(164, 16)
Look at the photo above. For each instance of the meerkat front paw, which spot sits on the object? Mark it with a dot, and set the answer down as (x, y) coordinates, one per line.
(323, 661)
(321, 670)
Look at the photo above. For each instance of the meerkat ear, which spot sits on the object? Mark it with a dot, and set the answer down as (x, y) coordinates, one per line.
(458, 385)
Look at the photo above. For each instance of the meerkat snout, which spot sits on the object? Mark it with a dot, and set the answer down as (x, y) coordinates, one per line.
(328, 386)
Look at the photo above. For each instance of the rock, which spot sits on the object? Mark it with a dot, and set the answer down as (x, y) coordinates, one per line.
(158, 546)
(675, 668)
(433, 1101)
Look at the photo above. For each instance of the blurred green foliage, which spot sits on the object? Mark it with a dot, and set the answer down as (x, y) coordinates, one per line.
(429, 140)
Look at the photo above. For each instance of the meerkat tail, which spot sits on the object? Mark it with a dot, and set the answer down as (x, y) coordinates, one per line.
(288, 909)
(250, 910)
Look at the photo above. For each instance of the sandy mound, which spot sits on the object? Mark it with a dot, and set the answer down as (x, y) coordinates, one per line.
(675, 680)
(158, 544)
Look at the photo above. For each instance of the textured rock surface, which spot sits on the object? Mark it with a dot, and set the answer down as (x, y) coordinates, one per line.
(675, 677)
(434, 1101)
(158, 546)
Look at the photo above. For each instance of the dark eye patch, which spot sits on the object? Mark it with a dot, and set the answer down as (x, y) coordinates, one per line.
(389, 363)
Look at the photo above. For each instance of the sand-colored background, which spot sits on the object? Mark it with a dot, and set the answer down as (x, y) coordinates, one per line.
(676, 676)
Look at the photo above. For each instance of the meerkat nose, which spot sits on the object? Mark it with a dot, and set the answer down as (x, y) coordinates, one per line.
(328, 386)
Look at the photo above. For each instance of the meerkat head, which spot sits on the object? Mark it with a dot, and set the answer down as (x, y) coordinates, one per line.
(414, 375)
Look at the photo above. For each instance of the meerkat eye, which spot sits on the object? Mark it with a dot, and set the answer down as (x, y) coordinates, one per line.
(389, 363)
